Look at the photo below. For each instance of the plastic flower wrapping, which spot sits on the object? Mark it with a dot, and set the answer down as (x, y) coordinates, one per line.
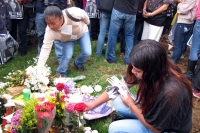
(38, 76)
(45, 114)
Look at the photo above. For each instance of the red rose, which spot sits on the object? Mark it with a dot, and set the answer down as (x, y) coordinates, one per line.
(80, 107)
(60, 86)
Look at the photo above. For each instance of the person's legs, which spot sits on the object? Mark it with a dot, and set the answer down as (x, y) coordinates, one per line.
(138, 30)
(58, 49)
(67, 52)
(128, 126)
(155, 32)
(122, 109)
(116, 23)
(145, 32)
(13, 31)
(86, 50)
(129, 28)
(180, 40)
(195, 47)
(40, 26)
(104, 25)
(94, 31)
(194, 50)
(22, 27)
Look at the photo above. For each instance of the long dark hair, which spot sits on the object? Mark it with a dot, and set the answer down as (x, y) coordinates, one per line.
(151, 58)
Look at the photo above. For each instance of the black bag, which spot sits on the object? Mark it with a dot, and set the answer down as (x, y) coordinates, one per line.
(8, 48)
(105, 5)
(196, 79)
(170, 11)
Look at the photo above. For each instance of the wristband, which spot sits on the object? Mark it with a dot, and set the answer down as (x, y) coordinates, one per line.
(129, 106)
(144, 9)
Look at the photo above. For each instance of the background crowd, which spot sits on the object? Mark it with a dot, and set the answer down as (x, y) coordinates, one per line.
(127, 23)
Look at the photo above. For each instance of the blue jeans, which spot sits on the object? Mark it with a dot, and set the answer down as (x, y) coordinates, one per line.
(118, 20)
(104, 26)
(41, 26)
(67, 52)
(58, 49)
(130, 125)
(181, 36)
(195, 48)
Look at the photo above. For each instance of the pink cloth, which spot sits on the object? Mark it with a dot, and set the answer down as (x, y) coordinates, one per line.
(198, 10)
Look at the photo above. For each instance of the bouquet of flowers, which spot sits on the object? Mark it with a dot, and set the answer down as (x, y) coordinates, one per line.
(15, 122)
(38, 76)
(73, 113)
(45, 114)
(24, 120)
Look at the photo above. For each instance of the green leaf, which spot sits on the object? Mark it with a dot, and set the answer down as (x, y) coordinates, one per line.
(83, 121)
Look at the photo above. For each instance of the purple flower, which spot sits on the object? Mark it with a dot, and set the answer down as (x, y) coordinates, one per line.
(15, 121)
(66, 89)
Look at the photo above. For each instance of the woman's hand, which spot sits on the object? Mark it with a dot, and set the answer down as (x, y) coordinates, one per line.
(145, 14)
(127, 100)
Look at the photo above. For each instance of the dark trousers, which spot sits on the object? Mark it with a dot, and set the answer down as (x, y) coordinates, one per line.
(94, 28)
(22, 25)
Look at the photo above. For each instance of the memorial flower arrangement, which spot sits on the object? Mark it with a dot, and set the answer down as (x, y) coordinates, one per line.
(24, 121)
(16, 78)
(44, 114)
(37, 77)
(73, 113)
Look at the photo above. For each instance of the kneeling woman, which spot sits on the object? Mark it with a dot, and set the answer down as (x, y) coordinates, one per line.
(67, 29)
(164, 96)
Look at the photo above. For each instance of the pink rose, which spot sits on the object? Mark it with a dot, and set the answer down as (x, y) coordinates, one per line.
(70, 107)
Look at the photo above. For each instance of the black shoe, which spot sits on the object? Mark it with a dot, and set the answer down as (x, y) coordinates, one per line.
(23, 53)
(116, 117)
(79, 68)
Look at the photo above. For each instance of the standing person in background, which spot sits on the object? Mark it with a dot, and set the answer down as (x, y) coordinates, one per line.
(195, 47)
(154, 12)
(58, 23)
(20, 26)
(41, 24)
(104, 27)
(164, 95)
(123, 15)
(5, 23)
(139, 22)
(91, 9)
(186, 16)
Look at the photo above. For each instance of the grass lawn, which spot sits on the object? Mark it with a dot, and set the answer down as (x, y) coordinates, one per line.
(96, 72)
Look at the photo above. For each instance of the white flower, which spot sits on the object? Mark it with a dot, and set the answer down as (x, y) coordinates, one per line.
(37, 76)
(9, 103)
(8, 118)
(97, 88)
(8, 127)
(84, 88)
(90, 90)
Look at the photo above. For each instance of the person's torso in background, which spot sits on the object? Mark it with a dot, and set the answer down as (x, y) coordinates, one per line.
(40, 4)
(155, 4)
(126, 6)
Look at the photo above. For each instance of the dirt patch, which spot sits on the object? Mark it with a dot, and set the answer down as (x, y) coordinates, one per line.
(196, 109)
